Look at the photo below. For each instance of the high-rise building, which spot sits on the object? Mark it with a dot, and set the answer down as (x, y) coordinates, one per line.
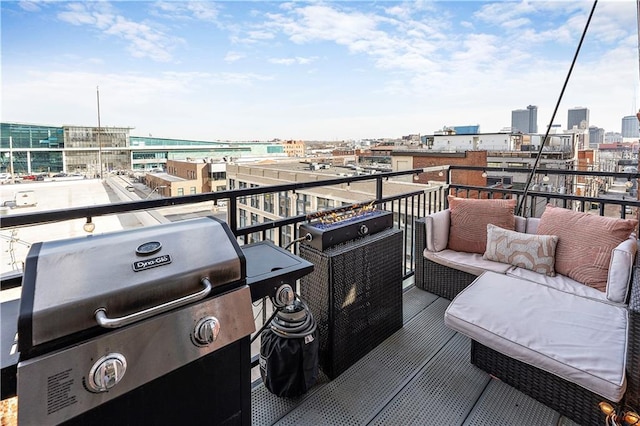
(630, 127)
(578, 117)
(596, 136)
(525, 120)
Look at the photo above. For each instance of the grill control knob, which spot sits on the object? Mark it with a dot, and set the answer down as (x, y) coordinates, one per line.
(107, 372)
(206, 330)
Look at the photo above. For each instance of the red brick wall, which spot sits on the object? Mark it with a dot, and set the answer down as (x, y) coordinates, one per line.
(463, 177)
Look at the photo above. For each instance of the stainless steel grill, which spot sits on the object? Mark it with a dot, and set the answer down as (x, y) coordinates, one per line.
(146, 326)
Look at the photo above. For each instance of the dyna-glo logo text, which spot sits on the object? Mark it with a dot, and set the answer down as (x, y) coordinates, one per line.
(141, 265)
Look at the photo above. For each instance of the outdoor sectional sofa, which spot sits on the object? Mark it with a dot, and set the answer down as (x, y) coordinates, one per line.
(564, 343)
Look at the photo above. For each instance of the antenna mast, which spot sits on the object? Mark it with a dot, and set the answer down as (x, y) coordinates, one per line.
(98, 134)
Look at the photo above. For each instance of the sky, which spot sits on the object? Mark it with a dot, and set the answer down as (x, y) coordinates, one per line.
(319, 70)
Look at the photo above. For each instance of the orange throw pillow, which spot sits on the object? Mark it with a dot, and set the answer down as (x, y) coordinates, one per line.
(469, 220)
(585, 242)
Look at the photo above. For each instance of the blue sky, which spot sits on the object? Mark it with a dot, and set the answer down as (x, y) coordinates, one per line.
(343, 70)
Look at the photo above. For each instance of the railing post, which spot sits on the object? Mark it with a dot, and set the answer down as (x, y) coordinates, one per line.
(233, 214)
(378, 189)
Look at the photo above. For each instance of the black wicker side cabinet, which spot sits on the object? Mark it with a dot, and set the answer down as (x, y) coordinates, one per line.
(355, 295)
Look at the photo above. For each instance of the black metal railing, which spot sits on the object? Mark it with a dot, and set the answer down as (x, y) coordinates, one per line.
(594, 185)
(406, 206)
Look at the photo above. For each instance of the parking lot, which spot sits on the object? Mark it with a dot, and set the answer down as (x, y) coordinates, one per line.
(66, 192)
(51, 195)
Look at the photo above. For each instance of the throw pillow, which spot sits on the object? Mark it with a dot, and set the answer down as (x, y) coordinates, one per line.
(529, 251)
(585, 242)
(469, 220)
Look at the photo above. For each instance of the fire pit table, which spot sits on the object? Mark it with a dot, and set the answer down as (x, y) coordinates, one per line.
(355, 290)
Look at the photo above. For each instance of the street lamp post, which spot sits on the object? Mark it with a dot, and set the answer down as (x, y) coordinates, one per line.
(156, 190)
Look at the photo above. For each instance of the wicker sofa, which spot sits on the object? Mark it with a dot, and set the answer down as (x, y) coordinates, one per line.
(564, 395)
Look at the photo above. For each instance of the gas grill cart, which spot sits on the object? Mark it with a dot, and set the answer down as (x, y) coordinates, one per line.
(143, 326)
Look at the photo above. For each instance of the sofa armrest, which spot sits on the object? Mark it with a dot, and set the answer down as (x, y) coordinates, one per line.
(620, 270)
(632, 396)
(437, 230)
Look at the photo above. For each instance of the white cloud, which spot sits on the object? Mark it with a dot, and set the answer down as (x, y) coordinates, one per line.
(188, 10)
(144, 41)
(30, 6)
(291, 61)
(234, 56)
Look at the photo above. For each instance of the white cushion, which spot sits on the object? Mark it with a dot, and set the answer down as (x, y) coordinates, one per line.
(529, 251)
(437, 230)
(620, 266)
(559, 282)
(581, 340)
(472, 263)
(521, 224)
(532, 225)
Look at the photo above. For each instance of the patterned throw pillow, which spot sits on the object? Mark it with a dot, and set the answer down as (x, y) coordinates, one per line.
(469, 220)
(585, 242)
(529, 251)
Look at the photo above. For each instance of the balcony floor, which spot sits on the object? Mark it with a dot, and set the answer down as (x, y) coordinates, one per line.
(420, 375)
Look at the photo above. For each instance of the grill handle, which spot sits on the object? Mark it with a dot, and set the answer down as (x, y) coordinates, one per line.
(104, 321)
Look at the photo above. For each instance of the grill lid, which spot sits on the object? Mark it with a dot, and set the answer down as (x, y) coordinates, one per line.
(121, 274)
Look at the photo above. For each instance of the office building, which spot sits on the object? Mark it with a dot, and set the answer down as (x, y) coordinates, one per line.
(525, 120)
(578, 117)
(92, 151)
(467, 130)
(630, 127)
(596, 136)
(256, 209)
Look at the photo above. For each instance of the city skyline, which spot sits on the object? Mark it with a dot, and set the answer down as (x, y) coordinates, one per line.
(313, 70)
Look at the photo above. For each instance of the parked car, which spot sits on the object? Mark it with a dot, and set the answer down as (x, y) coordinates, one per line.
(33, 177)
(60, 175)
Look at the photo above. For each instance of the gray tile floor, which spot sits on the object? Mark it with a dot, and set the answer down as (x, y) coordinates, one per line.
(421, 375)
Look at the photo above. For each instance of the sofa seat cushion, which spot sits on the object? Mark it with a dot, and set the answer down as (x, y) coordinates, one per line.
(472, 263)
(559, 282)
(581, 340)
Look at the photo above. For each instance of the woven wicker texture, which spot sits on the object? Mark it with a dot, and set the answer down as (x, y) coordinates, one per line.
(569, 399)
(632, 396)
(433, 277)
(355, 295)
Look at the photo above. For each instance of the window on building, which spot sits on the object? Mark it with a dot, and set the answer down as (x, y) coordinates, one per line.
(286, 235)
(255, 199)
(303, 204)
(192, 190)
(325, 203)
(268, 203)
(285, 202)
(232, 184)
(180, 191)
(242, 218)
(242, 185)
(269, 233)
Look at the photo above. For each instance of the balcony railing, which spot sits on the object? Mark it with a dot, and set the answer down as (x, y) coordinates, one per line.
(584, 190)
